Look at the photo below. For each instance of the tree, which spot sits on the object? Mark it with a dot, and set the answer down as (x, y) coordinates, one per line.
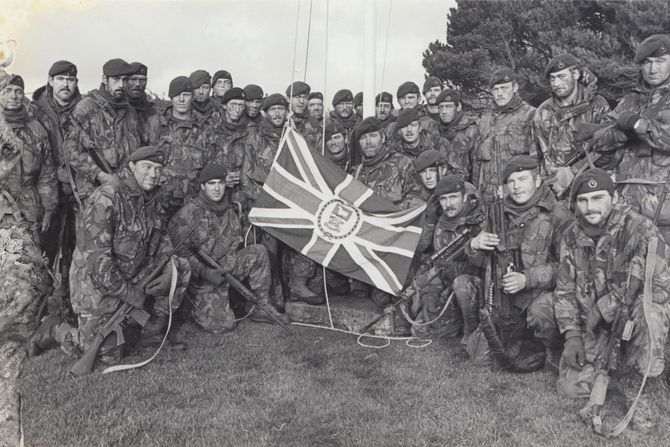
(524, 35)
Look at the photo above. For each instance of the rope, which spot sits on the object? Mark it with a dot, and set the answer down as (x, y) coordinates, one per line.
(386, 47)
(415, 323)
(388, 339)
(325, 291)
(325, 81)
(253, 306)
(309, 34)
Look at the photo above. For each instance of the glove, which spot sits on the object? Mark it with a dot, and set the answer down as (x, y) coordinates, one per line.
(627, 120)
(135, 298)
(573, 351)
(159, 286)
(213, 276)
(593, 319)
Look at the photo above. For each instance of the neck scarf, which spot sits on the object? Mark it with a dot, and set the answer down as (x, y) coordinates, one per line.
(218, 208)
(348, 123)
(117, 104)
(514, 103)
(141, 104)
(535, 199)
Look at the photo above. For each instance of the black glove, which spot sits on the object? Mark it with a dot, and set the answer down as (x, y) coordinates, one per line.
(159, 286)
(135, 298)
(627, 120)
(573, 352)
(213, 276)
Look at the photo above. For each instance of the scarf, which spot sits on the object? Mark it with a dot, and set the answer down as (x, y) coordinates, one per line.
(381, 154)
(204, 108)
(542, 194)
(514, 103)
(269, 131)
(299, 119)
(117, 104)
(16, 118)
(234, 127)
(141, 104)
(218, 208)
(348, 123)
(447, 130)
(471, 214)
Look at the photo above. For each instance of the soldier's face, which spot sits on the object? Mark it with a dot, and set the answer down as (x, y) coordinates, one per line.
(563, 83)
(336, 146)
(234, 109)
(116, 85)
(503, 93)
(253, 107)
(182, 102)
(410, 133)
(656, 70)
(370, 143)
(429, 177)
(452, 203)
(11, 97)
(448, 111)
(136, 86)
(277, 115)
(63, 87)
(595, 207)
(298, 103)
(146, 173)
(201, 94)
(315, 108)
(221, 86)
(344, 109)
(522, 185)
(432, 94)
(409, 101)
(214, 189)
(384, 110)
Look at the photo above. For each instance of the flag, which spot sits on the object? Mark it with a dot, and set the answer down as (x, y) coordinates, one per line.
(324, 213)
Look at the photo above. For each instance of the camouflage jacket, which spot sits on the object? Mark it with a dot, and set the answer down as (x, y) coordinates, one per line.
(229, 148)
(503, 133)
(148, 120)
(462, 133)
(554, 128)
(119, 237)
(219, 233)
(30, 179)
(596, 273)
(208, 112)
(645, 151)
(112, 133)
(312, 132)
(262, 145)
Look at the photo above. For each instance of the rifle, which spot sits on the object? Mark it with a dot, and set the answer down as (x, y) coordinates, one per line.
(97, 157)
(449, 252)
(113, 325)
(237, 284)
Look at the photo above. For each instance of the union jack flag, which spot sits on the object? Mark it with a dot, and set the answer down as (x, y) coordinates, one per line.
(324, 213)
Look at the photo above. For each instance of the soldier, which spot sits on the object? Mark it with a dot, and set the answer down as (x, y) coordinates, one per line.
(204, 108)
(408, 97)
(343, 113)
(187, 143)
(534, 222)
(358, 105)
(28, 199)
(337, 148)
(604, 262)
(120, 238)
(145, 108)
(315, 105)
(313, 128)
(430, 167)
(415, 140)
(104, 130)
(219, 235)
(574, 101)
(459, 128)
(297, 95)
(222, 81)
(432, 87)
(504, 131)
(253, 102)
(384, 108)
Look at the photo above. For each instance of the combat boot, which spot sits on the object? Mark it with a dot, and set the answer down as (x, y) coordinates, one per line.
(300, 292)
(259, 316)
(153, 333)
(44, 336)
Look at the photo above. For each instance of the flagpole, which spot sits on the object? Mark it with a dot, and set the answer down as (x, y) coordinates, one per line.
(370, 57)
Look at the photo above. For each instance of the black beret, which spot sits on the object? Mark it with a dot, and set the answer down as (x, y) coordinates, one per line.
(299, 88)
(151, 153)
(449, 95)
(591, 180)
(117, 67)
(211, 172)
(233, 93)
(561, 62)
(221, 74)
(333, 127)
(502, 76)
(384, 97)
(449, 184)
(407, 87)
(369, 125)
(17, 81)
(406, 117)
(358, 99)
(427, 159)
(432, 81)
(139, 68)
(343, 95)
(315, 95)
(656, 45)
(253, 91)
(519, 163)
(199, 78)
(179, 85)
(65, 68)
(275, 99)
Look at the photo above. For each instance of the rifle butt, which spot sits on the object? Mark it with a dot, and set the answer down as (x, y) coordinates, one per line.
(85, 363)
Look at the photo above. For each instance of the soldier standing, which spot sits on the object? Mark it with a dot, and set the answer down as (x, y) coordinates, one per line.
(222, 81)
(432, 87)
(297, 95)
(414, 140)
(459, 128)
(343, 113)
(205, 109)
(408, 97)
(253, 103)
(146, 109)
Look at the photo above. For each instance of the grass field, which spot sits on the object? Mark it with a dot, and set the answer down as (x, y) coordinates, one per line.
(260, 387)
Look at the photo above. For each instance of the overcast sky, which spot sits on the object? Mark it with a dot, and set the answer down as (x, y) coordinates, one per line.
(253, 39)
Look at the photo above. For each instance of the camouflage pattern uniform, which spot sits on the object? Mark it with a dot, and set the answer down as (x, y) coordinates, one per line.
(208, 112)
(462, 133)
(425, 121)
(503, 133)
(312, 132)
(220, 236)
(111, 130)
(120, 237)
(148, 117)
(596, 273)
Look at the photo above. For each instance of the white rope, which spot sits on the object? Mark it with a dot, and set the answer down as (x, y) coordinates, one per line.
(388, 338)
(246, 236)
(325, 291)
(416, 323)
(386, 47)
(253, 306)
(309, 35)
(325, 81)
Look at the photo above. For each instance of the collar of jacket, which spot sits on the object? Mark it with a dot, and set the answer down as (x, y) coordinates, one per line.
(167, 119)
(615, 222)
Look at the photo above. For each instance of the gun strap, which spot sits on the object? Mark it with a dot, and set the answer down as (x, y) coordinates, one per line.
(173, 288)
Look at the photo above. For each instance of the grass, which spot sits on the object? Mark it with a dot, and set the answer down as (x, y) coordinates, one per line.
(260, 387)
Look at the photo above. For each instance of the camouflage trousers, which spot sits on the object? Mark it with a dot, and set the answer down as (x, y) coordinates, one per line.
(273, 248)
(210, 307)
(23, 284)
(298, 266)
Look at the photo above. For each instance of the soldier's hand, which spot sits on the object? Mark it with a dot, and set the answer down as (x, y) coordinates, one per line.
(46, 222)
(627, 120)
(485, 241)
(513, 282)
(160, 286)
(573, 352)
(135, 298)
(593, 319)
(232, 179)
(213, 276)
(104, 178)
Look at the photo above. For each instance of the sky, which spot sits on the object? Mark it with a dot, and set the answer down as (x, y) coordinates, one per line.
(252, 39)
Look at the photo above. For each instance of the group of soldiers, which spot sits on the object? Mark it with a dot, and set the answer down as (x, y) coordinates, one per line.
(569, 197)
